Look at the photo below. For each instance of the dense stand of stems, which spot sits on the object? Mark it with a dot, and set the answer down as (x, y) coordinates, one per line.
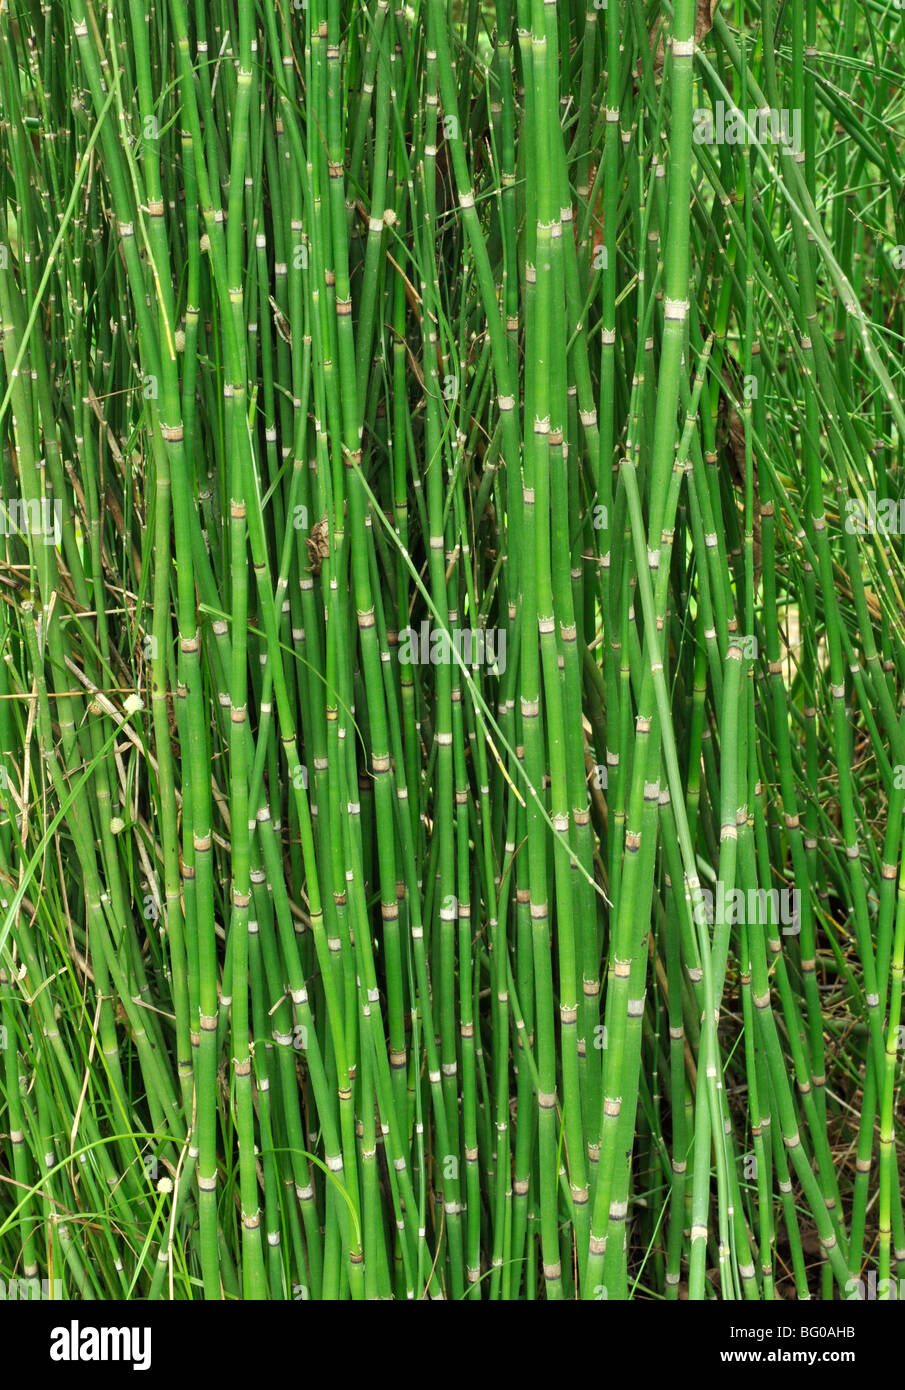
(452, 750)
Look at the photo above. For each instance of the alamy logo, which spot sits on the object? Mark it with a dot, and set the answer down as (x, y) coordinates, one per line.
(76, 1343)
(475, 648)
(872, 1288)
(884, 516)
(727, 125)
(751, 908)
(12, 1290)
(23, 516)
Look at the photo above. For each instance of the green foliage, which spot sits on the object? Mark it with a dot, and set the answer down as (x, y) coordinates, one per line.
(452, 760)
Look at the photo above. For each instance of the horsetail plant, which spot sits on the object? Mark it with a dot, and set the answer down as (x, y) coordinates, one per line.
(452, 752)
